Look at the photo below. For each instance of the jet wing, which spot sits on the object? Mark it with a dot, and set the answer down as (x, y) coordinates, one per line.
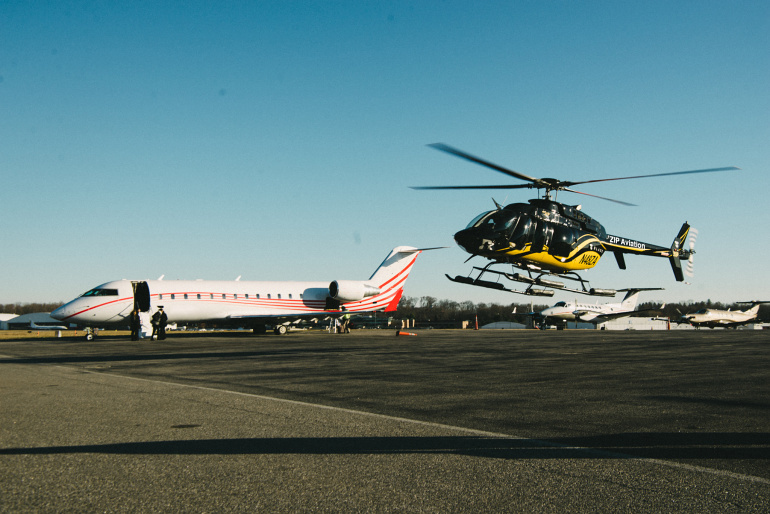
(616, 315)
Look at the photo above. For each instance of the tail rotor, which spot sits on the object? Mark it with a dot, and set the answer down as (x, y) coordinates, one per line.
(690, 270)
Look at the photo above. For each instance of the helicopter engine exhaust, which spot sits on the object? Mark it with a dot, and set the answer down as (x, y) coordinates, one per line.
(352, 290)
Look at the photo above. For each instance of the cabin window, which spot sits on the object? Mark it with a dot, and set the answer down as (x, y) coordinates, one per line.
(185, 296)
(199, 296)
(289, 296)
(172, 296)
(235, 297)
(247, 296)
(563, 239)
(279, 296)
(257, 296)
(268, 296)
(160, 297)
(224, 297)
(301, 296)
(522, 231)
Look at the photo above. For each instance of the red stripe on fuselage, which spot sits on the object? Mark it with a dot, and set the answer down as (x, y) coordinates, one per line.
(97, 306)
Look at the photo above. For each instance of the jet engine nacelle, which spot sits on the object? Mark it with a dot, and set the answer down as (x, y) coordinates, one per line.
(351, 290)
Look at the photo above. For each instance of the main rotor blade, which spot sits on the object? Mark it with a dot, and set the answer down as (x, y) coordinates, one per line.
(710, 170)
(459, 153)
(512, 186)
(601, 197)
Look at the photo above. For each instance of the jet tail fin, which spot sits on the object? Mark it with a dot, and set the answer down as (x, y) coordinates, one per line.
(384, 288)
(391, 275)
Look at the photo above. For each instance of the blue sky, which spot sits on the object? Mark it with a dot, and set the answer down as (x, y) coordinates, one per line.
(277, 140)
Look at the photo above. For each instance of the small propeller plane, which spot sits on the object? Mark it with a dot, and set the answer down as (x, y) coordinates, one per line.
(547, 238)
(714, 318)
(242, 303)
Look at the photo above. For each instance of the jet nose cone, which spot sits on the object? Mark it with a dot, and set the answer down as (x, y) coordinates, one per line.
(60, 313)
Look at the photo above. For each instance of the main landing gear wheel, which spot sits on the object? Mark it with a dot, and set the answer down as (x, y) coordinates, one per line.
(280, 330)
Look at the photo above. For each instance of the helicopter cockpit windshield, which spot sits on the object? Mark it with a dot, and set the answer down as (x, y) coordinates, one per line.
(499, 221)
(479, 220)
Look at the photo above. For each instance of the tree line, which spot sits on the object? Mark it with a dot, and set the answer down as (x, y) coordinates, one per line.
(28, 308)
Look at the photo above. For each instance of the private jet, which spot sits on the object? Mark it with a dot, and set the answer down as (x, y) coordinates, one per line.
(241, 303)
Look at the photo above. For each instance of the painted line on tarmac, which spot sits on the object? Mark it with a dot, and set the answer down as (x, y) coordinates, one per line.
(473, 431)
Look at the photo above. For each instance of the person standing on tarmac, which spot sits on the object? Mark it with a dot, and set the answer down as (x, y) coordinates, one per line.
(159, 322)
(346, 323)
(136, 324)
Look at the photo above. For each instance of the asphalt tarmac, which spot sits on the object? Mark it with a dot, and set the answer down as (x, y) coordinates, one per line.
(444, 421)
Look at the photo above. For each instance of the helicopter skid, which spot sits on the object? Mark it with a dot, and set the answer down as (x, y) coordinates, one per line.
(499, 286)
(547, 288)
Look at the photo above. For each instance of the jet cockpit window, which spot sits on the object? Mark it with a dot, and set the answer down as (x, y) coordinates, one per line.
(561, 304)
(101, 292)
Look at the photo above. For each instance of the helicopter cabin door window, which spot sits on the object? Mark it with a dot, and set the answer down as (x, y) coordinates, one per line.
(521, 234)
(543, 234)
(563, 240)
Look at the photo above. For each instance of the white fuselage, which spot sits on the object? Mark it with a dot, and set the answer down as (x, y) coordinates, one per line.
(187, 301)
(576, 311)
(200, 300)
(716, 317)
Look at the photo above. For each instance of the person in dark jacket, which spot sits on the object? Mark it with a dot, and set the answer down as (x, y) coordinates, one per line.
(159, 322)
(136, 324)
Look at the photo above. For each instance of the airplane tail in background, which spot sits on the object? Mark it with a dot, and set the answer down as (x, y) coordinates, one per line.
(631, 298)
(391, 275)
(754, 308)
(384, 288)
(398, 260)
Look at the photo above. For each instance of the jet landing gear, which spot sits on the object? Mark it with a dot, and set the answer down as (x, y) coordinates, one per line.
(277, 329)
(91, 333)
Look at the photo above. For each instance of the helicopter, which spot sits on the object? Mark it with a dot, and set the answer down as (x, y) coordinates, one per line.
(545, 238)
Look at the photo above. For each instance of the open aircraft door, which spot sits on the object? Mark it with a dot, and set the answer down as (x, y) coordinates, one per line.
(142, 304)
(141, 296)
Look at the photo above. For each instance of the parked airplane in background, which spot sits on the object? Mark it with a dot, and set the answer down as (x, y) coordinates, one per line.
(35, 326)
(713, 318)
(243, 303)
(575, 311)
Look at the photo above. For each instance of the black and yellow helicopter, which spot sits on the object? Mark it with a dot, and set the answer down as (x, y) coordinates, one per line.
(546, 238)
